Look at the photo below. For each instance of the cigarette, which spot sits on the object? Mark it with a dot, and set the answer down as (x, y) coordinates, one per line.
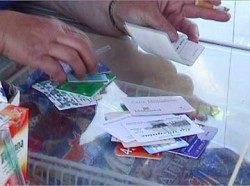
(209, 5)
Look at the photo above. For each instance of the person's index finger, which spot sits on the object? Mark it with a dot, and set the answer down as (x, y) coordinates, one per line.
(190, 29)
(52, 67)
(84, 48)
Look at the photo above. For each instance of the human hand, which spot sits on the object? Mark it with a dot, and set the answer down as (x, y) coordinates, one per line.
(42, 42)
(167, 15)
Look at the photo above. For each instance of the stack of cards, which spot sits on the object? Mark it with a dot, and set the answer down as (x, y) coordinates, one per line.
(61, 99)
(91, 85)
(150, 124)
(76, 93)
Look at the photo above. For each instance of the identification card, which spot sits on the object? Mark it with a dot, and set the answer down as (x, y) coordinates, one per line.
(179, 142)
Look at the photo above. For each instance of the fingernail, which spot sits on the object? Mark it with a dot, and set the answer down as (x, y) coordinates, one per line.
(173, 36)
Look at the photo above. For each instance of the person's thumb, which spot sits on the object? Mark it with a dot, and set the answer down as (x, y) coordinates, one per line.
(159, 22)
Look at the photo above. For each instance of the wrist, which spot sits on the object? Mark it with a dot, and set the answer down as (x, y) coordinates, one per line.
(117, 23)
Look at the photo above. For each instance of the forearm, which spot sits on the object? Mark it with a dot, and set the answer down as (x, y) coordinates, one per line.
(5, 20)
(94, 14)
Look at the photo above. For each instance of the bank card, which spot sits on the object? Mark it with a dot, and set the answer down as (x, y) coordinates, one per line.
(164, 127)
(137, 144)
(100, 76)
(63, 100)
(197, 143)
(89, 89)
(88, 78)
(159, 105)
(102, 68)
(111, 77)
(179, 142)
(137, 152)
(86, 89)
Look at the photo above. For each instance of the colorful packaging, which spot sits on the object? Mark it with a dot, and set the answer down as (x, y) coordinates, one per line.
(13, 145)
(13, 142)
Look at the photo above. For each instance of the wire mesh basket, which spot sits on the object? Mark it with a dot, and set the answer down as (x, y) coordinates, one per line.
(51, 170)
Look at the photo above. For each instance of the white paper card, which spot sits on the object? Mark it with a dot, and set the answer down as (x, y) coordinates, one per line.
(157, 42)
(116, 129)
(168, 126)
(134, 143)
(139, 106)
